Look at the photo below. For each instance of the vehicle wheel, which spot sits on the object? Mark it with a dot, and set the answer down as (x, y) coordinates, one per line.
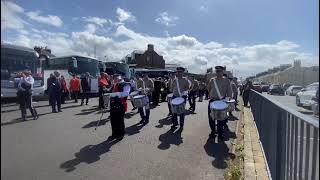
(298, 102)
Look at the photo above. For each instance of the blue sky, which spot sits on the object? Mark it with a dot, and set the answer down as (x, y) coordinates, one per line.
(238, 33)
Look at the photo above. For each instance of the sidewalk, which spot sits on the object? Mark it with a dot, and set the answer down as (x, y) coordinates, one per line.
(255, 167)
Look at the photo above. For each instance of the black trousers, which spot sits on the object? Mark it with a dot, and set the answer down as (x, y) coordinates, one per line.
(75, 95)
(156, 96)
(85, 95)
(25, 101)
(169, 105)
(64, 95)
(145, 117)
(212, 122)
(192, 99)
(101, 103)
(55, 101)
(245, 97)
(117, 120)
(163, 96)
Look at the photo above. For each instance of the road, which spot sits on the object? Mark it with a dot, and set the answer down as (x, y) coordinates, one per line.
(66, 146)
(290, 101)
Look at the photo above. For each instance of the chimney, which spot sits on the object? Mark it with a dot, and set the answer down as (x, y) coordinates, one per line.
(150, 47)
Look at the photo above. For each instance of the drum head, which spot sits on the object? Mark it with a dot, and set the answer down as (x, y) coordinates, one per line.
(134, 93)
(231, 101)
(218, 105)
(177, 101)
(139, 96)
(170, 95)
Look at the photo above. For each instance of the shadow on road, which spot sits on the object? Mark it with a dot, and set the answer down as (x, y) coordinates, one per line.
(87, 111)
(164, 121)
(88, 154)
(72, 106)
(94, 123)
(170, 137)
(219, 151)
(134, 129)
(19, 120)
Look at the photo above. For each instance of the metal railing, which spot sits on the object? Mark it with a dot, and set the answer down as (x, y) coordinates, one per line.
(289, 139)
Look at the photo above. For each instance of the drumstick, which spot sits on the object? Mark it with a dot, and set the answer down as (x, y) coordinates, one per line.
(99, 120)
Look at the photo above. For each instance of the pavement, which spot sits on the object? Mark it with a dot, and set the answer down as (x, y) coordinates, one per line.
(66, 146)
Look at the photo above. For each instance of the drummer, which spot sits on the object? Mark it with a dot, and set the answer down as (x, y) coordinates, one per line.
(145, 84)
(224, 87)
(179, 91)
(118, 106)
(170, 90)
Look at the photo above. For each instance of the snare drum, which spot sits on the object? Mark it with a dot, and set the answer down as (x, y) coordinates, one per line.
(169, 97)
(140, 101)
(218, 110)
(178, 105)
(231, 105)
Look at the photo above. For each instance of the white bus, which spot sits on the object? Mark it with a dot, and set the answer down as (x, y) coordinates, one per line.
(74, 64)
(15, 59)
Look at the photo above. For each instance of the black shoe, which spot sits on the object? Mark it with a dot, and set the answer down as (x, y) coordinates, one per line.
(134, 108)
(174, 126)
(145, 122)
(36, 117)
(111, 138)
(212, 135)
(141, 122)
(54, 111)
(59, 110)
(86, 103)
(220, 137)
(82, 104)
(170, 114)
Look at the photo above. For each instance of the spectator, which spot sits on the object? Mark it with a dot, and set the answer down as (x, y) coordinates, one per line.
(65, 92)
(75, 87)
(86, 88)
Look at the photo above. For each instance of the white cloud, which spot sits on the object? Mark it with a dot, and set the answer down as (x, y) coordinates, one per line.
(96, 20)
(204, 8)
(50, 19)
(91, 28)
(10, 15)
(166, 20)
(124, 15)
(186, 50)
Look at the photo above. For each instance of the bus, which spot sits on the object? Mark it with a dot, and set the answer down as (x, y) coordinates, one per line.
(118, 68)
(74, 64)
(15, 59)
(152, 73)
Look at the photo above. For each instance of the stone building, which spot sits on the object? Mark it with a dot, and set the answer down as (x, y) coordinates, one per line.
(296, 75)
(148, 59)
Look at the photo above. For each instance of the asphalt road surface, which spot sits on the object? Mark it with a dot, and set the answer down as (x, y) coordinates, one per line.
(290, 101)
(66, 146)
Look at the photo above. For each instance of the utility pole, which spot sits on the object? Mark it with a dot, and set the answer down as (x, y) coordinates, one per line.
(95, 49)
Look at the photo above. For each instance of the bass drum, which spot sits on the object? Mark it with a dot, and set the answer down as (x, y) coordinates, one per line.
(178, 105)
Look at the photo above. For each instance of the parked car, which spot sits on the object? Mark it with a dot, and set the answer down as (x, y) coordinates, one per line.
(315, 105)
(285, 86)
(276, 89)
(293, 90)
(265, 88)
(305, 96)
(257, 87)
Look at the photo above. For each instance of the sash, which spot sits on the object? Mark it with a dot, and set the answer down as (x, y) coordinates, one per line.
(217, 89)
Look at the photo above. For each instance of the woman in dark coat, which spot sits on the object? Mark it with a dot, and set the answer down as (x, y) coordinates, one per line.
(246, 92)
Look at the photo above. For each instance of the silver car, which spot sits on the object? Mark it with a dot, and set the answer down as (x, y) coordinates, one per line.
(306, 95)
(293, 90)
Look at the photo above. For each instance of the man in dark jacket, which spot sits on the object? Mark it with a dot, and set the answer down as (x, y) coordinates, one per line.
(55, 90)
(157, 90)
(86, 88)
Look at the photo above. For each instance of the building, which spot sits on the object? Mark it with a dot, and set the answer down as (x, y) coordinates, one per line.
(296, 75)
(148, 59)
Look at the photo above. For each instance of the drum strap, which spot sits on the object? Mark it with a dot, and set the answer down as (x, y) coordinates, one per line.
(178, 87)
(217, 89)
(144, 87)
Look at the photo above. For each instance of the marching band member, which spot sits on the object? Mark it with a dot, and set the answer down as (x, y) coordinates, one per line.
(224, 88)
(180, 85)
(192, 93)
(170, 90)
(202, 87)
(146, 85)
(118, 106)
